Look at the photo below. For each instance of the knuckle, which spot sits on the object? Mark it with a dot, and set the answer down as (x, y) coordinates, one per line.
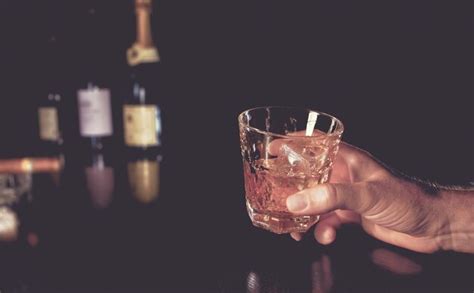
(352, 159)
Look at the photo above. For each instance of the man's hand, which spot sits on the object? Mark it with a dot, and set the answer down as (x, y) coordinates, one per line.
(390, 207)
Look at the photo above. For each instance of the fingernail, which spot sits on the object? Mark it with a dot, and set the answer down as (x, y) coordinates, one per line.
(296, 236)
(296, 202)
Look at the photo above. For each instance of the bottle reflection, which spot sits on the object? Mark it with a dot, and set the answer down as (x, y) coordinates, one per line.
(13, 187)
(56, 175)
(100, 182)
(144, 179)
(8, 225)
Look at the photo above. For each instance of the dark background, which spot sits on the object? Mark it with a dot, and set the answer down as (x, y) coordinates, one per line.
(397, 73)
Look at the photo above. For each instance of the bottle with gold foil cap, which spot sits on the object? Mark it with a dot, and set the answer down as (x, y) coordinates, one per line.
(141, 113)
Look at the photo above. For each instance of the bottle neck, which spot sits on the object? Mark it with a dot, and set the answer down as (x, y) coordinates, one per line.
(143, 50)
(139, 93)
(97, 144)
(91, 85)
(145, 83)
(93, 66)
(143, 12)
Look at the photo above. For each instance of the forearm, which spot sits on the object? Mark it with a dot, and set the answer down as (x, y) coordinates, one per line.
(457, 208)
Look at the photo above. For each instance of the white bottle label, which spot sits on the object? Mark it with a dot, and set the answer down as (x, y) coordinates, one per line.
(95, 113)
(48, 123)
(141, 125)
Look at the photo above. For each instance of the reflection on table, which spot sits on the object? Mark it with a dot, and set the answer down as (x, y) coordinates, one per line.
(14, 187)
(100, 182)
(189, 253)
(144, 179)
(8, 225)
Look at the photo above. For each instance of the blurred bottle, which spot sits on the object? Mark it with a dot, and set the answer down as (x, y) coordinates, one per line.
(144, 178)
(95, 114)
(94, 98)
(48, 116)
(100, 182)
(49, 106)
(141, 113)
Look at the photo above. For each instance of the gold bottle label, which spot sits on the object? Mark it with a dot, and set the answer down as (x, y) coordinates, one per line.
(48, 123)
(140, 125)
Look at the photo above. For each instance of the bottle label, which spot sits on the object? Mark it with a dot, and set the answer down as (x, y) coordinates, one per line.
(48, 123)
(141, 125)
(95, 113)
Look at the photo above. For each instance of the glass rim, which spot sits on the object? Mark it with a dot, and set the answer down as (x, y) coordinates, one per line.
(338, 131)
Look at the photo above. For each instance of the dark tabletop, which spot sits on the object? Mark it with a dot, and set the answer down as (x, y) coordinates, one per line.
(98, 232)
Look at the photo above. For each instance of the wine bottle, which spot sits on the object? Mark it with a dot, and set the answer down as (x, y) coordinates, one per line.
(141, 113)
(95, 114)
(48, 119)
(94, 98)
(49, 106)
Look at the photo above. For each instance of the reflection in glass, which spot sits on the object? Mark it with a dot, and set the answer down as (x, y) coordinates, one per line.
(8, 224)
(100, 182)
(321, 275)
(144, 179)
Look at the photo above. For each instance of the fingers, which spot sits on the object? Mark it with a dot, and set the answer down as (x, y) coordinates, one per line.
(360, 164)
(325, 231)
(296, 236)
(325, 198)
(325, 234)
(274, 147)
(350, 165)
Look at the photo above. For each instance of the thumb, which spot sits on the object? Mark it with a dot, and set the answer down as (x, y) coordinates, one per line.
(325, 198)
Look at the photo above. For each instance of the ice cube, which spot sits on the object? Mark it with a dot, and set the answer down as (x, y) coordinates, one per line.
(316, 155)
(296, 163)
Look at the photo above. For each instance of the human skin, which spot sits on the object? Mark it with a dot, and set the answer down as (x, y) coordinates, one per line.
(391, 207)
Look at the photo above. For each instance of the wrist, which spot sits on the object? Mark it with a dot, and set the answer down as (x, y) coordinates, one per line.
(456, 231)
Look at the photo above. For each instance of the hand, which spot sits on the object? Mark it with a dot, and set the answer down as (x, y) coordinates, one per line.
(391, 208)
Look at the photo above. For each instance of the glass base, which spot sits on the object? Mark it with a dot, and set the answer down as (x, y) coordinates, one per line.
(280, 223)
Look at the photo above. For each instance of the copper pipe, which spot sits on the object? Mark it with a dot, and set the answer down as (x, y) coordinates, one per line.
(29, 165)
